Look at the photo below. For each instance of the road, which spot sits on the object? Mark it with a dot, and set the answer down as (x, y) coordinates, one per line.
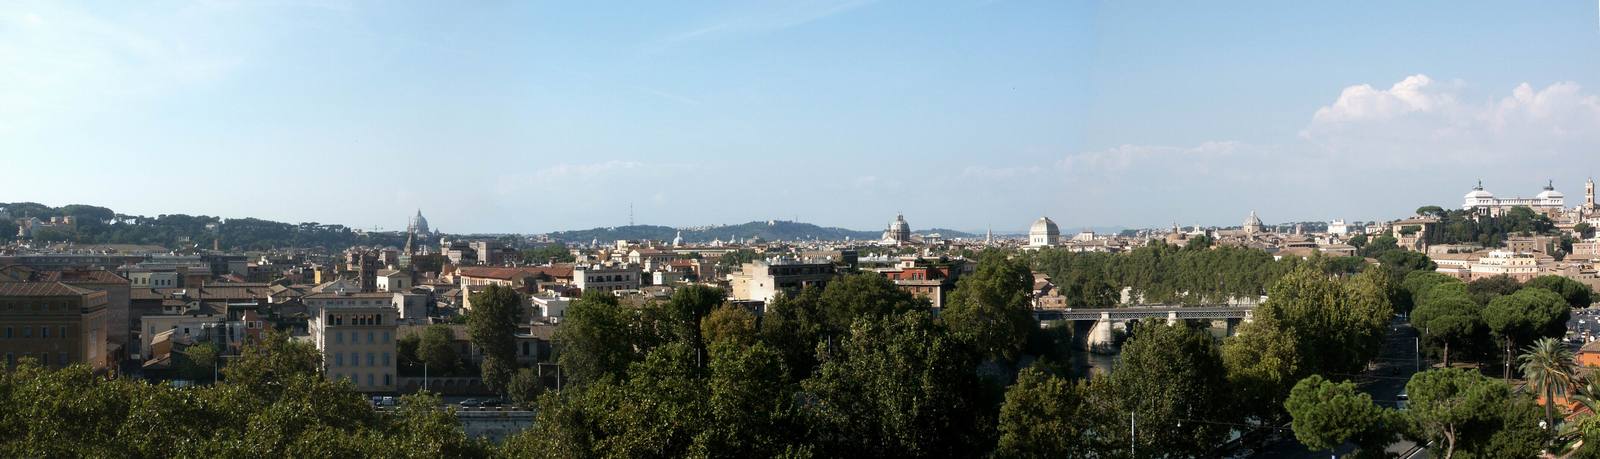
(1385, 381)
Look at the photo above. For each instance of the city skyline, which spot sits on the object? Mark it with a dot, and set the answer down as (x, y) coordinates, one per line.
(964, 115)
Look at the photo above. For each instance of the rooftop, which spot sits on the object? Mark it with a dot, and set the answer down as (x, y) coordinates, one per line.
(40, 289)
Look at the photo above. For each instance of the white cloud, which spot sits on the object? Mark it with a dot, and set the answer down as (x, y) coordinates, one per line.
(1124, 157)
(987, 172)
(1420, 120)
(584, 171)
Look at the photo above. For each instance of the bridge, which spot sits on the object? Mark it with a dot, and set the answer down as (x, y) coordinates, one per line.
(1093, 328)
(1165, 311)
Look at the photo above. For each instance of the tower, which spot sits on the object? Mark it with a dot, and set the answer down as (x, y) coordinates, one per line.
(1588, 194)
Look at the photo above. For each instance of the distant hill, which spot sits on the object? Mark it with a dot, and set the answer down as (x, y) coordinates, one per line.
(99, 225)
(775, 230)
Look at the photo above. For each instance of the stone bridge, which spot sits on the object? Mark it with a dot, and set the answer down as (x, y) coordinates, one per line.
(1093, 328)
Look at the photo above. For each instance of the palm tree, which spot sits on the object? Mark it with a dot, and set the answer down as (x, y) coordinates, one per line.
(1549, 368)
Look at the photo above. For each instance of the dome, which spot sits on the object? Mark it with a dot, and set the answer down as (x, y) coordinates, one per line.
(1043, 233)
(1478, 193)
(1044, 227)
(419, 224)
(1550, 192)
(1252, 220)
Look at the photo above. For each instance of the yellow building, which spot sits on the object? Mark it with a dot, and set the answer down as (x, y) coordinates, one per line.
(54, 323)
(355, 332)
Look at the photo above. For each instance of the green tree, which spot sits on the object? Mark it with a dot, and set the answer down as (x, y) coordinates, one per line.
(1577, 294)
(733, 324)
(1431, 211)
(1485, 290)
(1327, 414)
(1403, 262)
(1358, 241)
(492, 326)
(1173, 378)
(794, 325)
(437, 349)
(1550, 370)
(1380, 245)
(595, 340)
(750, 410)
(1470, 415)
(1584, 230)
(899, 385)
(853, 296)
(1448, 317)
(525, 387)
(992, 307)
(1523, 316)
(264, 365)
(199, 362)
(1043, 417)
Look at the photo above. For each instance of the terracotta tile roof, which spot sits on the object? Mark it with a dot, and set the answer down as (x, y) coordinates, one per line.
(84, 276)
(40, 289)
(486, 272)
(324, 295)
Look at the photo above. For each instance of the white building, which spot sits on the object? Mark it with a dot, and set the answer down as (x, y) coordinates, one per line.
(1043, 233)
(1339, 227)
(391, 280)
(1548, 202)
(604, 278)
(1520, 266)
(899, 232)
(355, 332)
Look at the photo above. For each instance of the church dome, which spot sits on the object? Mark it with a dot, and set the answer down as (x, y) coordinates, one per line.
(1550, 192)
(419, 224)
(1044, 227)
(1044, 232)
(1479, 193)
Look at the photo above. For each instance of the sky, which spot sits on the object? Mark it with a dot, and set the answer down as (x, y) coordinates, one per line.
(968, 114)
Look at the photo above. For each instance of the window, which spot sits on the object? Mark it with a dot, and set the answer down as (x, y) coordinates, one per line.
(8, 332)
(386, 336)
(61, 357)
(44, 359)
(338, 360)
(338, 337)
(372, 359)
(11, 360)
(44, 332)
(355, 359)
(387, 379)
(27, 332)
(386, 359)
(63, 331)
(369, 380)
(369, 337)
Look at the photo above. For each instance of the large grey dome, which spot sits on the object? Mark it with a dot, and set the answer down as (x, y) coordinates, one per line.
(1044, 232)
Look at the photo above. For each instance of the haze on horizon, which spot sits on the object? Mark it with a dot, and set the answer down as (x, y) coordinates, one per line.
(519, 117)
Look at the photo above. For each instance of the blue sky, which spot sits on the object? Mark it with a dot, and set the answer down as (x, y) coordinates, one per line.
(531, 117)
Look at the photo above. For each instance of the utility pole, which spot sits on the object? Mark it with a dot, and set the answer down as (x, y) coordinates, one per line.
(1132, 439)
(424, 375)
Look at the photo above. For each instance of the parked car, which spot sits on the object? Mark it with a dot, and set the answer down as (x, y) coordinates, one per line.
(469, 403)
(491, 403)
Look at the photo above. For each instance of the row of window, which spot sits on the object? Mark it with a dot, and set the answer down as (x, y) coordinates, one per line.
(355, 337)
(355, 359)
(372, 380)
(34, 306)
(356, 319)
(610, 278)
(27, 332)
